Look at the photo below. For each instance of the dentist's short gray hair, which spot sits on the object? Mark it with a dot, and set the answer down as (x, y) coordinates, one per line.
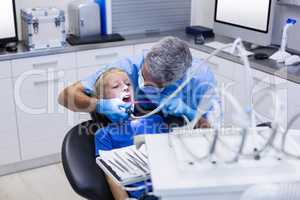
(169, 60)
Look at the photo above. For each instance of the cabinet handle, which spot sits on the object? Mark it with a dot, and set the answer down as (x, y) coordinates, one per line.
(111, 55)
(213, 65)
(145, 50)
(209, 63)
(45, 64)
(260, 81)
(46, 81)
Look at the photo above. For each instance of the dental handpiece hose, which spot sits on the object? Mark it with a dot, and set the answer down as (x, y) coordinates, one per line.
(180, 88)
(237, 45)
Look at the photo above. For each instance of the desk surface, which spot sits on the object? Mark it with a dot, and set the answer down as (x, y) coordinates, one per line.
(168, 180)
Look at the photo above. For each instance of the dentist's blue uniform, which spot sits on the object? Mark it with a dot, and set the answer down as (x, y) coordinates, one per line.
(191, 95)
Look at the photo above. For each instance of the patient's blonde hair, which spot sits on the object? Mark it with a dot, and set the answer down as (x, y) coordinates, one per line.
(100, 83)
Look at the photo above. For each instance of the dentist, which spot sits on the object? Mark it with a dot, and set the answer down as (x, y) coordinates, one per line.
(154, 76)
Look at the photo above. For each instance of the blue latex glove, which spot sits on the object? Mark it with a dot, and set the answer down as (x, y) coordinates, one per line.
(177, 107)
(114, 109)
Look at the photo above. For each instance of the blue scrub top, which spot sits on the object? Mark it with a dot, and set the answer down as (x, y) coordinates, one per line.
(191, 94)
(119, 135)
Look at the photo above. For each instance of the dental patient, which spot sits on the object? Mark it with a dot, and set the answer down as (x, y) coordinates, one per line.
(112, 86)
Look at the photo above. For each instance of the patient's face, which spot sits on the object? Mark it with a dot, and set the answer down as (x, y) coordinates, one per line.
(118, 85)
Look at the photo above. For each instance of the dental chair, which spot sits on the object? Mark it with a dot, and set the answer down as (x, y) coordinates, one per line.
(78, 159)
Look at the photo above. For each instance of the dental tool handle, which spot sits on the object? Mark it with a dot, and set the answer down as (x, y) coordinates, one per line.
(214, 143)
(290, 22)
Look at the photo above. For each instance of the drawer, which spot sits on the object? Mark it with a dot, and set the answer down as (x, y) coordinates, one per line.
(293, 111)
(226, 84)
(103, 56)
(55, 62)
(142, 48)
(87, 71)
(42, 122)
(218, 65)
(268, 92)
(294, 94)
(5, 69)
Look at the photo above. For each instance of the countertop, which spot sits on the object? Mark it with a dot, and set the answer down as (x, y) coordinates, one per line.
(291, 73)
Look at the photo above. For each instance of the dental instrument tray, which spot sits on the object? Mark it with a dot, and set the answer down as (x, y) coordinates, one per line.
(207, 149)
(125, 165)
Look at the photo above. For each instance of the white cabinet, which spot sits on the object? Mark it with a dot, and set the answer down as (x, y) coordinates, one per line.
(53, 62)
(5, 69)
(42, 122)
(225, 85)
(294, 103)
(217, 65)
(270, 98)
(223, 71)
(293, 111)
(294, 94)
(103, 56)
(33, 125)
(9, 142)
(269, 92)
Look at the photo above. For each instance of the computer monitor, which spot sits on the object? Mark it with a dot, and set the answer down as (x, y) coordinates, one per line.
(251, 20)
(8, 26)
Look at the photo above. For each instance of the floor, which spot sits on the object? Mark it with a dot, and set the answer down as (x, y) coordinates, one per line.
(47, 183)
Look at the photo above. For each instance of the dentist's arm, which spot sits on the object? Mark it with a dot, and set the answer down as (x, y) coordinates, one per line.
(74, 98)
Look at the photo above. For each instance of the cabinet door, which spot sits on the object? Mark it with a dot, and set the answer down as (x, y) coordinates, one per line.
(226, 85)
(294, 94)
(103, 56)
(218, 65)
(42, 122)
(52, 62)
(269, 96)
(5, 69)
(9, 142)
(293, 111)
(223, 71)
(294, 103)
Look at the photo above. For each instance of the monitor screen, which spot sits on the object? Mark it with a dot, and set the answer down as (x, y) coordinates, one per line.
(249, 14)
(7, 20)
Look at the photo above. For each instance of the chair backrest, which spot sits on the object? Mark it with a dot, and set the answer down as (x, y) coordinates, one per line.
(273, 192)
(78, 159)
